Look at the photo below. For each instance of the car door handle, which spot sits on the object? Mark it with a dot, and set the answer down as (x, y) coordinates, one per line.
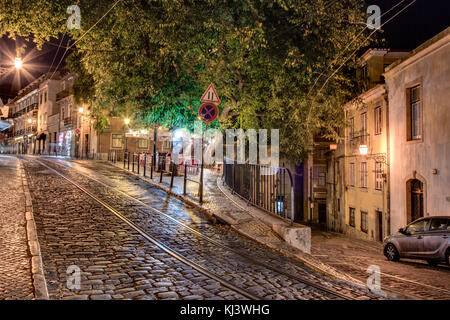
(419, 237)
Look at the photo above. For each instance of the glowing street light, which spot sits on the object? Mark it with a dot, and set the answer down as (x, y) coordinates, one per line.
(18, 63)
(29, 120)
(363, 149)
(80, 110)
(127, 121)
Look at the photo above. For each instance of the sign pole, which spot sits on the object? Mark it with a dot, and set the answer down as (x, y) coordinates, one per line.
(208, 112)
(202, 166)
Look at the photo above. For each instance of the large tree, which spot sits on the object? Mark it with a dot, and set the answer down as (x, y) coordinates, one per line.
(269, 59)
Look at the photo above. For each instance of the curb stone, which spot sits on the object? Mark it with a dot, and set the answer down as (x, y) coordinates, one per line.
(37, 267)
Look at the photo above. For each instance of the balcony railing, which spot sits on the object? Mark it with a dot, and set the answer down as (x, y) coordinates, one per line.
(19, 132)
(32, 107)
(31, 129)
(68, 122)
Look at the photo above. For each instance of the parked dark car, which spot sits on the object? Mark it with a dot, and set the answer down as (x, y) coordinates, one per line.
(425, 238)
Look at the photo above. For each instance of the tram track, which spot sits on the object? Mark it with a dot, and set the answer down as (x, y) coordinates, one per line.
(156, 242)
(297, 278)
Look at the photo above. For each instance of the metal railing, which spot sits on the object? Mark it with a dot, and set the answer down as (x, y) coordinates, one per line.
(142, 164)
(268, 188)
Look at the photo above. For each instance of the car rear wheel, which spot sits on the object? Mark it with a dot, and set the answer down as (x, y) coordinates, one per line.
(391, 252)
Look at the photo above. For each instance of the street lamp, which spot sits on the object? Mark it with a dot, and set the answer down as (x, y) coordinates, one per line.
(363, 149)
(80, 110)
(29, 120)
(126, 121)
(18, 63)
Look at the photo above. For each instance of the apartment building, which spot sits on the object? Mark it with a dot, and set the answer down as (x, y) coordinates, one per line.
(24, 114)
(358, 168)
(47, 107)
(419, 142)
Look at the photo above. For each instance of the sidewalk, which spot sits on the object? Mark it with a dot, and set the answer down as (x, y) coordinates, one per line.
(15, 261)
(221, 206)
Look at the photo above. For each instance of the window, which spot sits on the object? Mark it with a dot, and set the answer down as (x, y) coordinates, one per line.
(352, 128)
(363, 175)
(439, 224)
(379, 175)
(117, 140)
(416, 227)
(414, 114)
(351, 174)
(351, 218)
(378, 120)
(142, 143)
(45, 97)
(167, 144)
(363, 127)
(321, 177)
(364, 72)
(364, 227)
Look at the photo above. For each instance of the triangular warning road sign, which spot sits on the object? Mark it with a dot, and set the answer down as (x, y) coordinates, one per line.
(210, 95)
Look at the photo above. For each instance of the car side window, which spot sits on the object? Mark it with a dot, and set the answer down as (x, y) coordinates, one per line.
(438, 224)
(417, 227)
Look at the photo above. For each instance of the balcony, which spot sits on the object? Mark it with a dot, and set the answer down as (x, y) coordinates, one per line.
(62, 94)
(31, 129)
(18, 113)
(32, 107)
(68, 122)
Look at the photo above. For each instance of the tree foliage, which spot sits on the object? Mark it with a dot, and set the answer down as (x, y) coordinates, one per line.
(152, 59)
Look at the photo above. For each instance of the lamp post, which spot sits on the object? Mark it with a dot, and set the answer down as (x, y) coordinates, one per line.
(79, 136)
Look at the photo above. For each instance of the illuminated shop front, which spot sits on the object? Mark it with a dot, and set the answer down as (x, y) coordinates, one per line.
(65, 143)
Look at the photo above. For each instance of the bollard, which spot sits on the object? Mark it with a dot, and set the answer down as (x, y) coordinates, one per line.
(173, 174)
(145, 162)
(128, 156)
(138, 161)
(151, 168)
(133, 163)
(184, 182)
(124, 159)
(162, 171)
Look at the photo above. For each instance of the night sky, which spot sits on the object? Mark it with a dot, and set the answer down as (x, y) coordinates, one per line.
(418, 23)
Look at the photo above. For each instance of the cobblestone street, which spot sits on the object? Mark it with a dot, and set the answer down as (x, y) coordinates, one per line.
(15, 261)
(117, 263)
(77, 232)
(407, 279)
